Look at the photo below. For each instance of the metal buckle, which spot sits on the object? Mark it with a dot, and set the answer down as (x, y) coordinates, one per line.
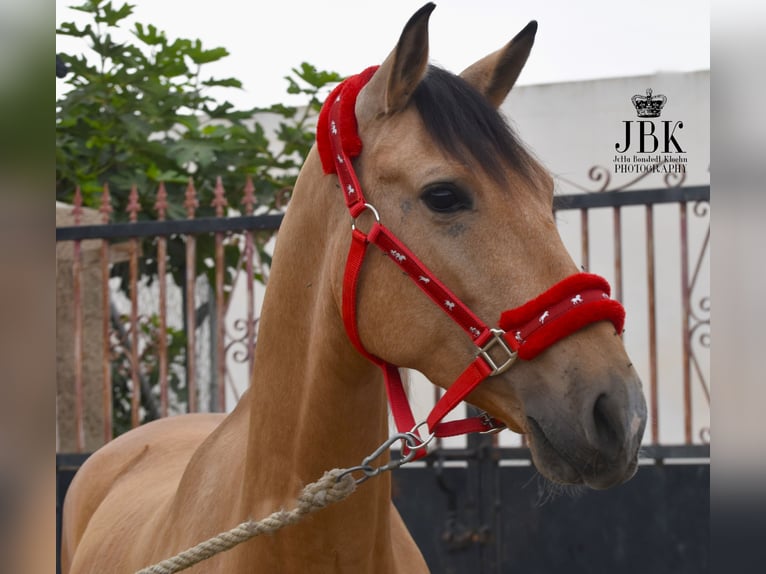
(488, 422)
(498, 340)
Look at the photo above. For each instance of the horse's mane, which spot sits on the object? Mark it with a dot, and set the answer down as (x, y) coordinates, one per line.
(466, 126)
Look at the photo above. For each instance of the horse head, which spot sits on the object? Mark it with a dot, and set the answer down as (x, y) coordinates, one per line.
(448, 176)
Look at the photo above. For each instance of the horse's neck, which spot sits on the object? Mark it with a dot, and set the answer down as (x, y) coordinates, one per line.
(314, 403)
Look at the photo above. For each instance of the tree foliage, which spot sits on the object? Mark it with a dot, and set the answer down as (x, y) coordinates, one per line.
(141, 110)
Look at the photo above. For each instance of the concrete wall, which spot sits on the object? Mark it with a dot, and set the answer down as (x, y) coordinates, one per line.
(93, 318)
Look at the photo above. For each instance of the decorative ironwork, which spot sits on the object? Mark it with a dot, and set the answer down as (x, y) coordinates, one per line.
(235, 341)
(240, 346)
(699, 317)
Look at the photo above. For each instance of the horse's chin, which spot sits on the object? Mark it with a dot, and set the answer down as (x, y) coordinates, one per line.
(598, 474)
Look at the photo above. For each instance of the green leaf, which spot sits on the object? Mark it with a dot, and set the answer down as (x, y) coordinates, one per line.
(314, 77)
(143, 112)
(200, 56)
(150, 35)
(170, 176)
(110, 16)
(185, 152)
(71, 29)
(282, 110)
(90, 7)
(292, 86)
(224, 82)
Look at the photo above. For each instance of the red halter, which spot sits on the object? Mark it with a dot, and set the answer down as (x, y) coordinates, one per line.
(523, 332)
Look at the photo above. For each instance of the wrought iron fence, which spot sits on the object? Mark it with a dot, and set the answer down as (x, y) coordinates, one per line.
(150, 358)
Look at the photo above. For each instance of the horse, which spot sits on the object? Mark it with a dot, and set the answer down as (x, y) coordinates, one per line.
(441, 168)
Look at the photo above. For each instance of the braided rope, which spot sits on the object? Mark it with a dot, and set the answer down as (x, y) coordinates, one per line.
(334, 486)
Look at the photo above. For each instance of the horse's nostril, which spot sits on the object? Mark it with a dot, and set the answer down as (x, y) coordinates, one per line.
(609, 432)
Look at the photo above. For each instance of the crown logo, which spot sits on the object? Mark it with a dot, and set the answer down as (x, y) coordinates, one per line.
(648, 106)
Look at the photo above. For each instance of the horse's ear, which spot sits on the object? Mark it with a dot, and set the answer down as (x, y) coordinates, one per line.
(390, 89)
(495, 75)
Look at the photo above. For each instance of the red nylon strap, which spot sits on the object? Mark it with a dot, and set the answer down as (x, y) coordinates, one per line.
(404, 420)
(337, 127)
(335, 123)
(476, 372)
(354, 262)
(445, 299)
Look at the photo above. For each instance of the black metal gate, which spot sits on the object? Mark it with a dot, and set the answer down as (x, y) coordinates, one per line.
(492, 516)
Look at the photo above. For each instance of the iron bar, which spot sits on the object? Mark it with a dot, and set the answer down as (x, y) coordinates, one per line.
(248, 200)
(191, 205)
(135, 397)
(628, 198)
(655, 452)
(106, 355)
(652, 319)
(162, 343)
(685, 318)
(271, 222)
(219, 202)
(498, 454)
(167, 228)
(123, 338)
(584, 240)
(250, 304)
(617, 238)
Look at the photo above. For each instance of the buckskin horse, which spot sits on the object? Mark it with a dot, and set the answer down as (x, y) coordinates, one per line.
(452, 226)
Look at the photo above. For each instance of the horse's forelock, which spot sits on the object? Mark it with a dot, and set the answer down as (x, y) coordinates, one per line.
(466, 126)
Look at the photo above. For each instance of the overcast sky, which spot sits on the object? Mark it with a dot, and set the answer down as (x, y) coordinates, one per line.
(577, 39)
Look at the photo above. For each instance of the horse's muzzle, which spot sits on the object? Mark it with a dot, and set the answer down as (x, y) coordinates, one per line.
(598, 446)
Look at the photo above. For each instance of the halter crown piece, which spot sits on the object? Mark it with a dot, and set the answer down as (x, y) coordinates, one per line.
(522, 333)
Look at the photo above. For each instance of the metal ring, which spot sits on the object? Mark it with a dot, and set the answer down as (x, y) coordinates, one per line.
(367, 471)
(418, 442)
(366, 206)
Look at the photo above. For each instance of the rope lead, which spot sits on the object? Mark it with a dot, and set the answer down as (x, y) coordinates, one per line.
(334, 486)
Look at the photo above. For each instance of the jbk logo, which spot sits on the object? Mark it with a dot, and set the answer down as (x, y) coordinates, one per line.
(650, 137)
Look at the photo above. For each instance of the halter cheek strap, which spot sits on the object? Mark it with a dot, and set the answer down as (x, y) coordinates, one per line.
(523, 332)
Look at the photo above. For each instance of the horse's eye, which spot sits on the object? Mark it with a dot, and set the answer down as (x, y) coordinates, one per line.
(446, 198)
